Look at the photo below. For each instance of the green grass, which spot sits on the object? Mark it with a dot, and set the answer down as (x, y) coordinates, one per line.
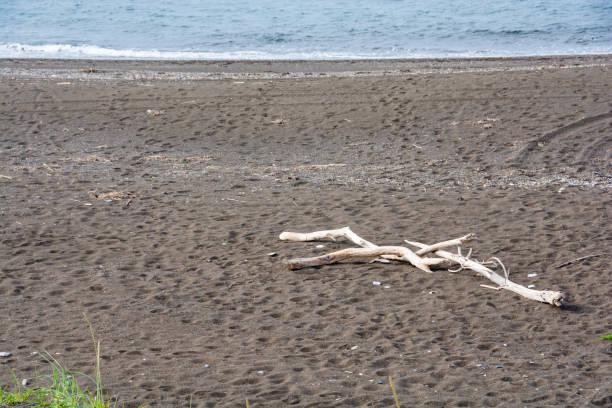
(60, 388)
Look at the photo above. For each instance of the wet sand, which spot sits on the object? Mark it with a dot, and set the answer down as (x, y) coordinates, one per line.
(149, 195)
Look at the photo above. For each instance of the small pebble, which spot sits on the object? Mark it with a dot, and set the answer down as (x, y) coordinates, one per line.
(387, 286)
(384, 261)
(260, 372)
(532, 275)
(376, 283)
(505, 345)
(24, 382)
(320, 246)
(380, 382)
(431, 292)
(272, 254)
(354, 347)
(5, 354)
(206, 365)
(530, 286)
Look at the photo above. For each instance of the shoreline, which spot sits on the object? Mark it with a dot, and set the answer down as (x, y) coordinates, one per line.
(179, 70)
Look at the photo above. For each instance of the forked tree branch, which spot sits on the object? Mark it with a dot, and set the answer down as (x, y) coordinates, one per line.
(369, 250)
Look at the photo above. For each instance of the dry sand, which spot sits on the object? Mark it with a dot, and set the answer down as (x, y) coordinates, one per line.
(149, 199)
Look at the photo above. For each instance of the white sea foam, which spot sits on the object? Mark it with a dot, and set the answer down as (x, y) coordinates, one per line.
(67, 51)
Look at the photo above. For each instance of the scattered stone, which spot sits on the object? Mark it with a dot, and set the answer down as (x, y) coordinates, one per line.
(291, 399)
(376, 283)
(272, 254)
(206, 365)
(320, 246)
(260, 372)
(5, 354)
(24, 382)
(354, 347)
(532, 275)
(530, 286)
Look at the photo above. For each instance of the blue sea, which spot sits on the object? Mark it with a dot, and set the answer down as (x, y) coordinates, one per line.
(314, 29)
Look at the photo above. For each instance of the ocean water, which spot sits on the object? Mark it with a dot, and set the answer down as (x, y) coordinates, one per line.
(315, 29)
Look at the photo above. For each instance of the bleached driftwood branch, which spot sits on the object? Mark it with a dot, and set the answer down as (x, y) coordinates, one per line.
(369, 249)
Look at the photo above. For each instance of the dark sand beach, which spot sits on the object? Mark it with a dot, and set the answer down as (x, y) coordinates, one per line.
(149, 194)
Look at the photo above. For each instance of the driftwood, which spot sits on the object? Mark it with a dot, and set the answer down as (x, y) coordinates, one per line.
(417, 259)
(573, 261)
